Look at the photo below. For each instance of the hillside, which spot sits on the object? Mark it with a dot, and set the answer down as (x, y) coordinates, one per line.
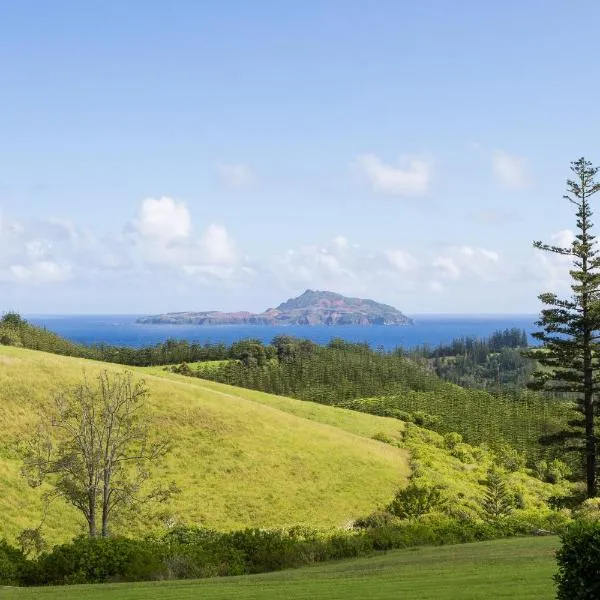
(310, 308)
(239, 461)
(244, 457)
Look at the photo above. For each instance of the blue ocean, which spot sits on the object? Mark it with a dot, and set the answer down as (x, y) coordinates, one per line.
(122, 330)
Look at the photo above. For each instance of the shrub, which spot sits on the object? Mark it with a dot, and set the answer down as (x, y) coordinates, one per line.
(553, 471)
(509, 458)
(416, 500)
(96, 560)
(382, 518)
(381, 436)
(451, 440)
(13, 564)
(589, 510)
(464, 453)
(578, 563)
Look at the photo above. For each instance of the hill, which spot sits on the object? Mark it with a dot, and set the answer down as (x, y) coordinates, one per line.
(243, 457)
(310, 308)
(239, 461)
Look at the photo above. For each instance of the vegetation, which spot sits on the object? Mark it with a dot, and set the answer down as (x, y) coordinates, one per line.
(300, 463)
(186, 553)
(95, 447)
(578, 559)
(393, 385)
(496, 363)
(570, 326)
(303, 463)
(469, 571)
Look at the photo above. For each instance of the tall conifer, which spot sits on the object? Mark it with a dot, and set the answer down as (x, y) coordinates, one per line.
(570, 326)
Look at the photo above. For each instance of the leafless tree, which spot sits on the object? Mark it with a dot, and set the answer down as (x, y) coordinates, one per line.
(93, 444)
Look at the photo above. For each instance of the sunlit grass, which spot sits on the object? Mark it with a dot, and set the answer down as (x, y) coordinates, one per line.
(239, 458)
(519, 569)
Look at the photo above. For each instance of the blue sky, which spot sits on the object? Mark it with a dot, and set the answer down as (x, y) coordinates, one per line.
(200, 155)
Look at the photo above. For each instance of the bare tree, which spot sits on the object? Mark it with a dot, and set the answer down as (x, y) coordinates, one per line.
(93, 444)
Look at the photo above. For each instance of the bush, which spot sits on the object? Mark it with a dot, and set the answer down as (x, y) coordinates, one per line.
(509, 458)
(579, 562)
(589, 510)
(452, 439)
(382, 518)
(13, 564)
(416, 500)
(96, 560)
(553, 471)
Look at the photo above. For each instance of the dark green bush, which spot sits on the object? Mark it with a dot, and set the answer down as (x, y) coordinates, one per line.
(578, 560)
(13, 564)
(416, 500)
(96, 560)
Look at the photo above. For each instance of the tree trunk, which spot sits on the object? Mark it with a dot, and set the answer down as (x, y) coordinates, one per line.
(105, 504)
(91, 518)
(588, 404)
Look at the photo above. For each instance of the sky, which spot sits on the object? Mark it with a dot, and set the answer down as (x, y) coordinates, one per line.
(228, 155)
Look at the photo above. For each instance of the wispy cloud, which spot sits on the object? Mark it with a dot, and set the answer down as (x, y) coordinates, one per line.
(239, 176)
(510, 170)
(411, 177)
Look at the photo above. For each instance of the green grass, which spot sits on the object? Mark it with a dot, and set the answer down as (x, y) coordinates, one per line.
(520, 568)
(241, 458)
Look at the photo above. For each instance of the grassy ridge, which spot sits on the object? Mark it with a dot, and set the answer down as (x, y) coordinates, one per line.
(240, 462)
(469, 572)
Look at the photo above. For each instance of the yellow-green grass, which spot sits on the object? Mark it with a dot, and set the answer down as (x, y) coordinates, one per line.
(462, 479)
(517, 569)
(241, 458)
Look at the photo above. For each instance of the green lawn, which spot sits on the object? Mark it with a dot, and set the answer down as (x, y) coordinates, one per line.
(519, 568)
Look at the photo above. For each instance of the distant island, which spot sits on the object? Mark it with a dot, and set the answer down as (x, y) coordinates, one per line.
(311, 308)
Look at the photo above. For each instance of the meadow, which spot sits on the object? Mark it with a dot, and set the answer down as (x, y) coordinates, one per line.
(518, 568)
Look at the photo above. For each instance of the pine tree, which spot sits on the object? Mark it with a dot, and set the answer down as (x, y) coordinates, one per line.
(497, 502)
(570, 326)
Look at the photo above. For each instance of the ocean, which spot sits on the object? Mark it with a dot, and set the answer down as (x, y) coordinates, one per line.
(122, 330)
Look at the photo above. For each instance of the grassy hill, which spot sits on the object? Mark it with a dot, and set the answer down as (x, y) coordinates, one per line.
(243, 457)
(240, 459)
(519, 569)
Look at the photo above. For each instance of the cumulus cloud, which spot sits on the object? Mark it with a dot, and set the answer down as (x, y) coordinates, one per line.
(163, 218)
(33, 253)
(511, 171)
(389, 272)
(411, 177)
(555, 267)
(218, 245)
(401, 260)
(238, 176)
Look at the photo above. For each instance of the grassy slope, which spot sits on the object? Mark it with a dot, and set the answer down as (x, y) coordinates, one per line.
(519, 568)
(461, 479)
(241, 458)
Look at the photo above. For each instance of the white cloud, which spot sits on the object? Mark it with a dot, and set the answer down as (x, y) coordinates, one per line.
(411, 177)
(217, 244)
(42, 271)
(555, 267)
(238, 176)
(163, 218)
(510, 170)
(446, 267)
(563, 238)
(401, 260)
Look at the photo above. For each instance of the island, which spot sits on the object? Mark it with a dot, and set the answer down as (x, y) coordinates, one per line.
(313, 307)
